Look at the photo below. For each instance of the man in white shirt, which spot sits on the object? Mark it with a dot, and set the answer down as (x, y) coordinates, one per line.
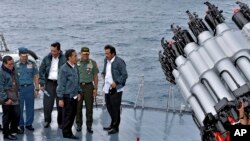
(48, 75)
(115, 75)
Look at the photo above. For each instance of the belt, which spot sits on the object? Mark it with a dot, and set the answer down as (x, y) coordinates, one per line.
(25, 85)
(88, 83)
(68, 96)
(54, 81)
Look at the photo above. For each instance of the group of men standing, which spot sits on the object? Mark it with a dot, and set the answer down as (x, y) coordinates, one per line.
(65, 79)
(18, 87)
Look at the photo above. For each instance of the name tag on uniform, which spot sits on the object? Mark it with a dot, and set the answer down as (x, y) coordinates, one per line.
(29, 66)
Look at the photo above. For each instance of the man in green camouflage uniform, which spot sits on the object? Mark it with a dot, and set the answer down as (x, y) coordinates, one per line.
(88, 72)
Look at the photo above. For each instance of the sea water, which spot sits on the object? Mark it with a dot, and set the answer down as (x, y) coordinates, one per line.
(134, 27)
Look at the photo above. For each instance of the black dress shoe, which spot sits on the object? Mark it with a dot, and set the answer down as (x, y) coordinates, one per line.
(72, 137)
(30, 127)
(10, 137)
(20, 131)
(46, 124)
(107, 128)
(112, 131)
(89, 130)
(78, 128)
(16, 131)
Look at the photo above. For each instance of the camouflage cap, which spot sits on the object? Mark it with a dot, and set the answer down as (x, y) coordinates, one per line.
(84, 50)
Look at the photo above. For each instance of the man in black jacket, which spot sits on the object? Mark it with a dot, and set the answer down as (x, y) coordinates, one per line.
(9, 98)
(68, 92)
(115, 75)
(48, 74)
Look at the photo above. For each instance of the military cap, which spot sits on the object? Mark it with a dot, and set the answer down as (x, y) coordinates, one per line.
(84, 50)
(23, 51)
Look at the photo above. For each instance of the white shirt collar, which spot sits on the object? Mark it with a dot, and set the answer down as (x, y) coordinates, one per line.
(55, 58)
(72, 65)
(112, 60)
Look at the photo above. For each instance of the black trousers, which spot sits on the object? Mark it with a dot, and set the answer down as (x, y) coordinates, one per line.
(11, 117)
(69, 113)
(48, 102)
(113, 103)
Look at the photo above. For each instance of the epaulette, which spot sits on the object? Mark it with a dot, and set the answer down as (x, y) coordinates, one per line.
(17, 61)
(17, 64)
(90, 61)
(30, 61)
(78, 62)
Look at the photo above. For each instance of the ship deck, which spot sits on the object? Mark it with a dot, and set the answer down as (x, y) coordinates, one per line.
(139, 124)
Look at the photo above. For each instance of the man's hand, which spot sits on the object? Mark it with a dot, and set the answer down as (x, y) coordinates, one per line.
(9, 102)
(36, 93)
(78, 97)
(241, 110)
(94, 93)
(61, 103)
(113, 85)
(42, 88)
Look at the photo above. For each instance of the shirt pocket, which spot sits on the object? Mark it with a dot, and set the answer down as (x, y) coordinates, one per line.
(29, 72)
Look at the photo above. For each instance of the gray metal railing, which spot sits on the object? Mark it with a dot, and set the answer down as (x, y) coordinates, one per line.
(171, 99)
(3, 43)
(140, 93)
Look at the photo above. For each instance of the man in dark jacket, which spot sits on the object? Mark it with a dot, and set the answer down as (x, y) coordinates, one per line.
(68, 92)
(115, 75)
(9, 98)
(48, 75)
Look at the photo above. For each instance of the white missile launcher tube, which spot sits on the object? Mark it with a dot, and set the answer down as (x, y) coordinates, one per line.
(191, 79)
(206, 73)
(189, 98)
(238, 45)
(206, 57)
(222, 63)
(246, 30)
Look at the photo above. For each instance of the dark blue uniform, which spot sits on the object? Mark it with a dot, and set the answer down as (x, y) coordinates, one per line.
(26, 72)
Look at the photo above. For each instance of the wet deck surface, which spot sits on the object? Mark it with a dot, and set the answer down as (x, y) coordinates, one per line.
(147, 125)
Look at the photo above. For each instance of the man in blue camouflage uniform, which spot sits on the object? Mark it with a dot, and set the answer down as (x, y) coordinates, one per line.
(27, 77)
